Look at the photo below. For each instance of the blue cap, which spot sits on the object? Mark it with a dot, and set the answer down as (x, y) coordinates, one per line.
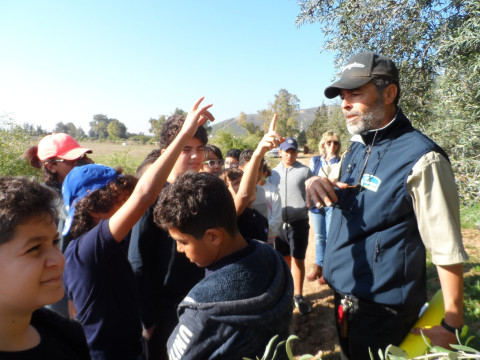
(290, 143)
(81, 181)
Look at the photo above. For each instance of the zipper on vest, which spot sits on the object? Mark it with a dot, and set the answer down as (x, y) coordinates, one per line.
(377, 250)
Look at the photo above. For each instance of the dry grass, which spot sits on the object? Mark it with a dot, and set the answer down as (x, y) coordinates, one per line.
(104, 149)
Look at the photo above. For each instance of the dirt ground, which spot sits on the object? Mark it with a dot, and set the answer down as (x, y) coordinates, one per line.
(316, 330)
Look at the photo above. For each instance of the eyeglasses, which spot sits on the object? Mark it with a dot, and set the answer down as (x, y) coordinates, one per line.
(330, 143)
(212, 163)
(71, 162)
(232, 164)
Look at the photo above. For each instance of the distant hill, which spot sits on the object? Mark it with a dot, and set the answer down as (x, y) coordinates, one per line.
(305, 119)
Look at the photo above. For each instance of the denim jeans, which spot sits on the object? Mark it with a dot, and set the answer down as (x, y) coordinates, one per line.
(321, 222)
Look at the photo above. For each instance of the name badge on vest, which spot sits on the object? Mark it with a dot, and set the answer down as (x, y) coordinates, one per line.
(370, 182)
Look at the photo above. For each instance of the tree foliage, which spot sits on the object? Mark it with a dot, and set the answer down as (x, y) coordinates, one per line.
(225, 140)
(14, 140)
(458, 98)
(287, 107)
(70, 129)
(436, 46)
(251, 127)
(327, 118)
(302, 138)
(407, 31)
(116, 130)
(156, 125)
(102, 127)
(30, 129)
(98, 127)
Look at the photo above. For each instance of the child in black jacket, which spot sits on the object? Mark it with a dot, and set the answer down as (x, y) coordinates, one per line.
(246, 297)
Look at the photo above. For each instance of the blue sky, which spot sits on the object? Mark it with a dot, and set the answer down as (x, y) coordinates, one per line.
(133, 60)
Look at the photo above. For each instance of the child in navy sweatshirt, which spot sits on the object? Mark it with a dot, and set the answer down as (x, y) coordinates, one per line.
(246, 297)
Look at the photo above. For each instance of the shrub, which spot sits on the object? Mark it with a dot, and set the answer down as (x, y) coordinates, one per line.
(13, 142)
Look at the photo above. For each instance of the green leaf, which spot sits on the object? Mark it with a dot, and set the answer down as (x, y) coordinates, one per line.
(380, 354)
(465, 348)
(425, 339)
(396, 352)
(439, 349)
(269, 347)
(276, 349)
(453, 356)
(289, 347)
(306, 357)
(469, 339)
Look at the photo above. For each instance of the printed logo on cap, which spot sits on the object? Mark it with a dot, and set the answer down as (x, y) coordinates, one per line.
(351, 66)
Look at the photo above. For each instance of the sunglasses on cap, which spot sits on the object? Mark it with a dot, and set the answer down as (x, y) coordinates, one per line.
(212, 163)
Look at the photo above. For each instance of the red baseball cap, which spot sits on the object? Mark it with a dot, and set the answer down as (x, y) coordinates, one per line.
(60, 145)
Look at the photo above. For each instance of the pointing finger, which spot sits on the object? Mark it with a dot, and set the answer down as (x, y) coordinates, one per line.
(197, 103)
(273, 123)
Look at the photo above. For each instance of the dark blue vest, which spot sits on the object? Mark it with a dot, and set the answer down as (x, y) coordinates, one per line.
(374, 250)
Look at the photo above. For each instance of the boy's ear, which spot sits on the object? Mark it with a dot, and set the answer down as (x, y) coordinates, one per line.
(214, 236)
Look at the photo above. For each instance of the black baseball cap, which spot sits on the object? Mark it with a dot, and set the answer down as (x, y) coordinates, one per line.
(360, 69)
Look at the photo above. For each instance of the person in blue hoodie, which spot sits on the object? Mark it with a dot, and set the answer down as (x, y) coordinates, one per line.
(103, 206)
(246, 296)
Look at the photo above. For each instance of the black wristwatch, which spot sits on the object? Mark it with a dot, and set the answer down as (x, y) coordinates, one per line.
(450, 328)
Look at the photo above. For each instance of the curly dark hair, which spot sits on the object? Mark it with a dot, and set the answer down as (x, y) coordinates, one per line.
(209, 148)
(172, 127)
(231, 174)
(100, 201)
(48, 177)
(194, 203)
(22, 199)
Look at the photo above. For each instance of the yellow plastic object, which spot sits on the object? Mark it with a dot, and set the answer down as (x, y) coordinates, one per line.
(414, 345)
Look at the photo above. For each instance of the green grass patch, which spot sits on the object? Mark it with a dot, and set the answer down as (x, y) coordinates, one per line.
(115, 154)
(470, 216)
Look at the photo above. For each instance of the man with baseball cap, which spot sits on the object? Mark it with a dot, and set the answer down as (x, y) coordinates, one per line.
(289, 177)
(394, 195)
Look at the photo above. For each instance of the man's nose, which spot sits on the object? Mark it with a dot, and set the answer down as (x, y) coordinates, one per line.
(346, 105)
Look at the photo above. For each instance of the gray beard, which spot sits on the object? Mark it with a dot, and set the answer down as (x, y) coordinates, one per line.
(370, 120)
